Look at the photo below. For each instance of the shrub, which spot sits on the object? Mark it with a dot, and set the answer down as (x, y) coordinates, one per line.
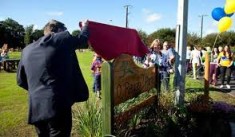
(223, 110)
(87, 120)
(212, 118)
(205, 105)
(200, 104)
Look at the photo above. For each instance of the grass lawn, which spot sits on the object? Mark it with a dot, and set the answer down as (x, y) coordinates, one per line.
(194, 87)
(14, 107)
(14, 100)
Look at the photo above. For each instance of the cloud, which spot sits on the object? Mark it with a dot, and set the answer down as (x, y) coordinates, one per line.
(55, 13)
(150, 16)
(153, 17)
(146, 11)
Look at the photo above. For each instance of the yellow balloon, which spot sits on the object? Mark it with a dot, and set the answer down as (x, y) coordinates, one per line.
(224, 24)
(229, 6)
(228, 1)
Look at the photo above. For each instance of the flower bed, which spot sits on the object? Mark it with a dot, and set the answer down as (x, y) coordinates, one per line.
(212, 117)
(201, 117)
(204, 106)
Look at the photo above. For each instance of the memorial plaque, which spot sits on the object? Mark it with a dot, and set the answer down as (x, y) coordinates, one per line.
(131, 80)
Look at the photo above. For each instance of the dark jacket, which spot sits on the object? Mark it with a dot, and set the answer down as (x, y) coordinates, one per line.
(49, 70)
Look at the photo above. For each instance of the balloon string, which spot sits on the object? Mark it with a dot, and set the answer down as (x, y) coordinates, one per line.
(214, 44)
(215, 41)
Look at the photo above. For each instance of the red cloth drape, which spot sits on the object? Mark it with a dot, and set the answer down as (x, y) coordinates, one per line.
(111, 41)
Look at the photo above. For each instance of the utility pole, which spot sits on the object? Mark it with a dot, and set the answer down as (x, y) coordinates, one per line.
(202, 23)
(180, 56)
(127, 13)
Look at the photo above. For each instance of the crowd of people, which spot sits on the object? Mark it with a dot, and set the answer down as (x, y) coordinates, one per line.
(221, 62)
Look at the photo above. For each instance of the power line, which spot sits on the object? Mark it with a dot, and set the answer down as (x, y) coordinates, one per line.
(127, 13)
(202, 23)
(110, 21)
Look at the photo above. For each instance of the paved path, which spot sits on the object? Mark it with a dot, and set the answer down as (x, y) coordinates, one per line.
(232, 89)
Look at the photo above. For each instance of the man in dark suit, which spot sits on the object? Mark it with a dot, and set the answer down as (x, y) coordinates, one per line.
(49, 70)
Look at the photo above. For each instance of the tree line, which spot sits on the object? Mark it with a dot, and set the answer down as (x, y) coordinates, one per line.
(168, 34)
(17, 36)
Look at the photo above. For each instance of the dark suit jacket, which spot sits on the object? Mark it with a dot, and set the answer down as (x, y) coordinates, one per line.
(49, 70)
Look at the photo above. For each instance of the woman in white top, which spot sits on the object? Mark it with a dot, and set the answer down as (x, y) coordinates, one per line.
(196, 61)
(214, 55)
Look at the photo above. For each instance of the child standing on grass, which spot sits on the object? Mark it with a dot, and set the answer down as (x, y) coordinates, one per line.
(96, 71)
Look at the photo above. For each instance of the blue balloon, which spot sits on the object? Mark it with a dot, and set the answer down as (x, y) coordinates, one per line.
(218, 13)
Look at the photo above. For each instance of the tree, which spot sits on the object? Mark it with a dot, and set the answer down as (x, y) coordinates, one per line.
(165, 34)
(3, 34)
(225, 38)
(37, 34)
(228, 38)
(76, 32)
(209, 40)
(144, 37)
(193, 39)
(28, 34)
(13, 33)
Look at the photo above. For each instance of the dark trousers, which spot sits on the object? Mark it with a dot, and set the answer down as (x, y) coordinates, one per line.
(97, 83)
(59, 126)
(223, 71)
(213, 73)
(165, 78)
(188, 65)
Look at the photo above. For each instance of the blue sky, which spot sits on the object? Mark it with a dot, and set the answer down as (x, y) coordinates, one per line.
(147, 15)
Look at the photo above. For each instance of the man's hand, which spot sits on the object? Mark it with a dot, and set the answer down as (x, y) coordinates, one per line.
(83, 23)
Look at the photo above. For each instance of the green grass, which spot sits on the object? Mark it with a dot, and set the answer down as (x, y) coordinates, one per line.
(14, 100)
(195, 87)
(14, 55)
(13, 104)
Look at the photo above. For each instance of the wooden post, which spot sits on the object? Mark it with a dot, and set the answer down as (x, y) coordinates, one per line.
(206, 74)
(107, 98)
